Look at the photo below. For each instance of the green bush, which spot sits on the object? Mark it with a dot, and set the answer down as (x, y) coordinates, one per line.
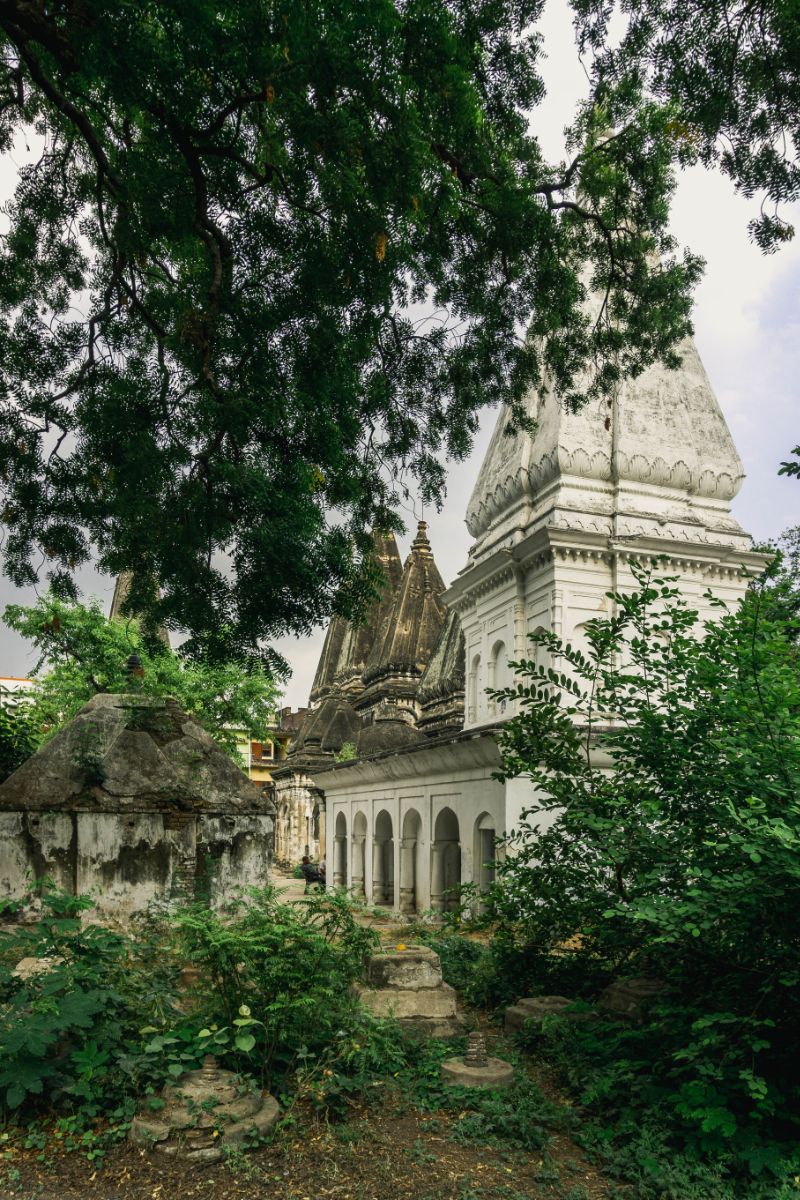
(19, 733)
(101, 1025)
(667, 760)
(291, 966)
(70, 1033)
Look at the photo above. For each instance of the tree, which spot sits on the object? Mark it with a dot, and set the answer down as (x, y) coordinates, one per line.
(665, 841)
(213, 364)
(732, 69)
(82, 652)
(18, 733)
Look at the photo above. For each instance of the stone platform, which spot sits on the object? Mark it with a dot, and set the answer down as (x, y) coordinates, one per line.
(496, 1074)
(405, 982)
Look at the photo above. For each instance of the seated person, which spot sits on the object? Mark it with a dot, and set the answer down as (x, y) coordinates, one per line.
(311, 873)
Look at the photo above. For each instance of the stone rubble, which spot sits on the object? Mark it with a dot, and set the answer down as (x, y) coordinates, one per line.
(204, 1112)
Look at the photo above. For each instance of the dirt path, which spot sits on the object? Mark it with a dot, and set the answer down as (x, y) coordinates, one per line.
(388, 1152)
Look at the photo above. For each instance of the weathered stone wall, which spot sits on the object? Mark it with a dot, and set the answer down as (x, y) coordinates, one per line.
(128, 860)
(133, 802)
(297, 819)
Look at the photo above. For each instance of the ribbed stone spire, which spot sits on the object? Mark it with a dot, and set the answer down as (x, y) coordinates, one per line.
(347, 646)
(441, 689)
(332, 721)
(122, 589)
(414, 623)
(657, 461)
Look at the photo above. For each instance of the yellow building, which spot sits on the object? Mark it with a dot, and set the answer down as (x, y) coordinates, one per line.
(260, 757)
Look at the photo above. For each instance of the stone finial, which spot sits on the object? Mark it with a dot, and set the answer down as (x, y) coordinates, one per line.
(421, 540)
(476, 1050)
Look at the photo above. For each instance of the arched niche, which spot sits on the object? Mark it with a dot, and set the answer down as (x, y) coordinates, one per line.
(340, 851)
(357, 870)
(445, 861)
(383, 859)
(501, 675)
(484, 851)
(474, 688)
(410, 850)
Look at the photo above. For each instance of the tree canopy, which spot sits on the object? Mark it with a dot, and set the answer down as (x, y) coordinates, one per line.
(83, 652)
(732, 68)
(216, 370)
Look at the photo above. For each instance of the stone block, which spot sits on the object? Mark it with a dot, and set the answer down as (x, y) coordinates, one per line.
(411, 969)
(496, 1074)
(426, 1002)
(534, 1009)
(441, 1028)
(624, 997)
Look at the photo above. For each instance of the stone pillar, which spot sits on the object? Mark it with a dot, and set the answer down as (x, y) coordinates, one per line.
(358, 863)
(378, 877)
(437, 876)
(321, 841)
(339, 860)
(408, 890)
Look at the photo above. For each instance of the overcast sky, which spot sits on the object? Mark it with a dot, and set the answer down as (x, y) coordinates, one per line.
(747, 323)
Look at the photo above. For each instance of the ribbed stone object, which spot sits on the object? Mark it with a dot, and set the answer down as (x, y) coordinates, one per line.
(476, 1050)
(204, 1112)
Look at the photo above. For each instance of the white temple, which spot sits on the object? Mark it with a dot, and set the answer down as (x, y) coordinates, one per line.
(557, 519)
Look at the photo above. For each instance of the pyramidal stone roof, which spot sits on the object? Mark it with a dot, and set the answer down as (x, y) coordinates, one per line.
(441, 689)
(130, 753)
(414, 622)
(347, 646)
(657, 459)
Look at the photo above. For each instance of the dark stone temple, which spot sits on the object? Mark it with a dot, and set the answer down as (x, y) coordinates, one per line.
(392, 682)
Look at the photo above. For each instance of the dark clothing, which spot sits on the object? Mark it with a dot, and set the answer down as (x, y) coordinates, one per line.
(311, 874)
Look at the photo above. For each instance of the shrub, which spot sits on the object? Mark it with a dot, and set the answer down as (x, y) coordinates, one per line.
(101, 1025)
(290, 965)
(667, 761)
(69, 1033)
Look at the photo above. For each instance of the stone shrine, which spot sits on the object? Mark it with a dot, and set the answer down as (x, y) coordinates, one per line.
(406, 983)
(205, 1112)
(477, 1068)
(132, 801)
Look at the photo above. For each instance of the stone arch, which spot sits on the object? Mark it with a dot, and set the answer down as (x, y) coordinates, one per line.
(383, 859)
(541, 655)
(500, 673)
(484, 851)
(445, 861)
(358, 855)
(410, 848)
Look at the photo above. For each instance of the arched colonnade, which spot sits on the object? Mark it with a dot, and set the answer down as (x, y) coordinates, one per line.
(407, 863)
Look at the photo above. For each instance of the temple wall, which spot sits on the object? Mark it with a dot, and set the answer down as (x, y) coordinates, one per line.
(127, 861)
(402, 829)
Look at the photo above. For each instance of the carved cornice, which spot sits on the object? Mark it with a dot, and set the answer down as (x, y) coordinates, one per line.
(579, 463)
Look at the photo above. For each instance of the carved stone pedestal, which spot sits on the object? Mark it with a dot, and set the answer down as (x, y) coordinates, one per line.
(203, 1112)
(407, 984)
(476, 1068)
